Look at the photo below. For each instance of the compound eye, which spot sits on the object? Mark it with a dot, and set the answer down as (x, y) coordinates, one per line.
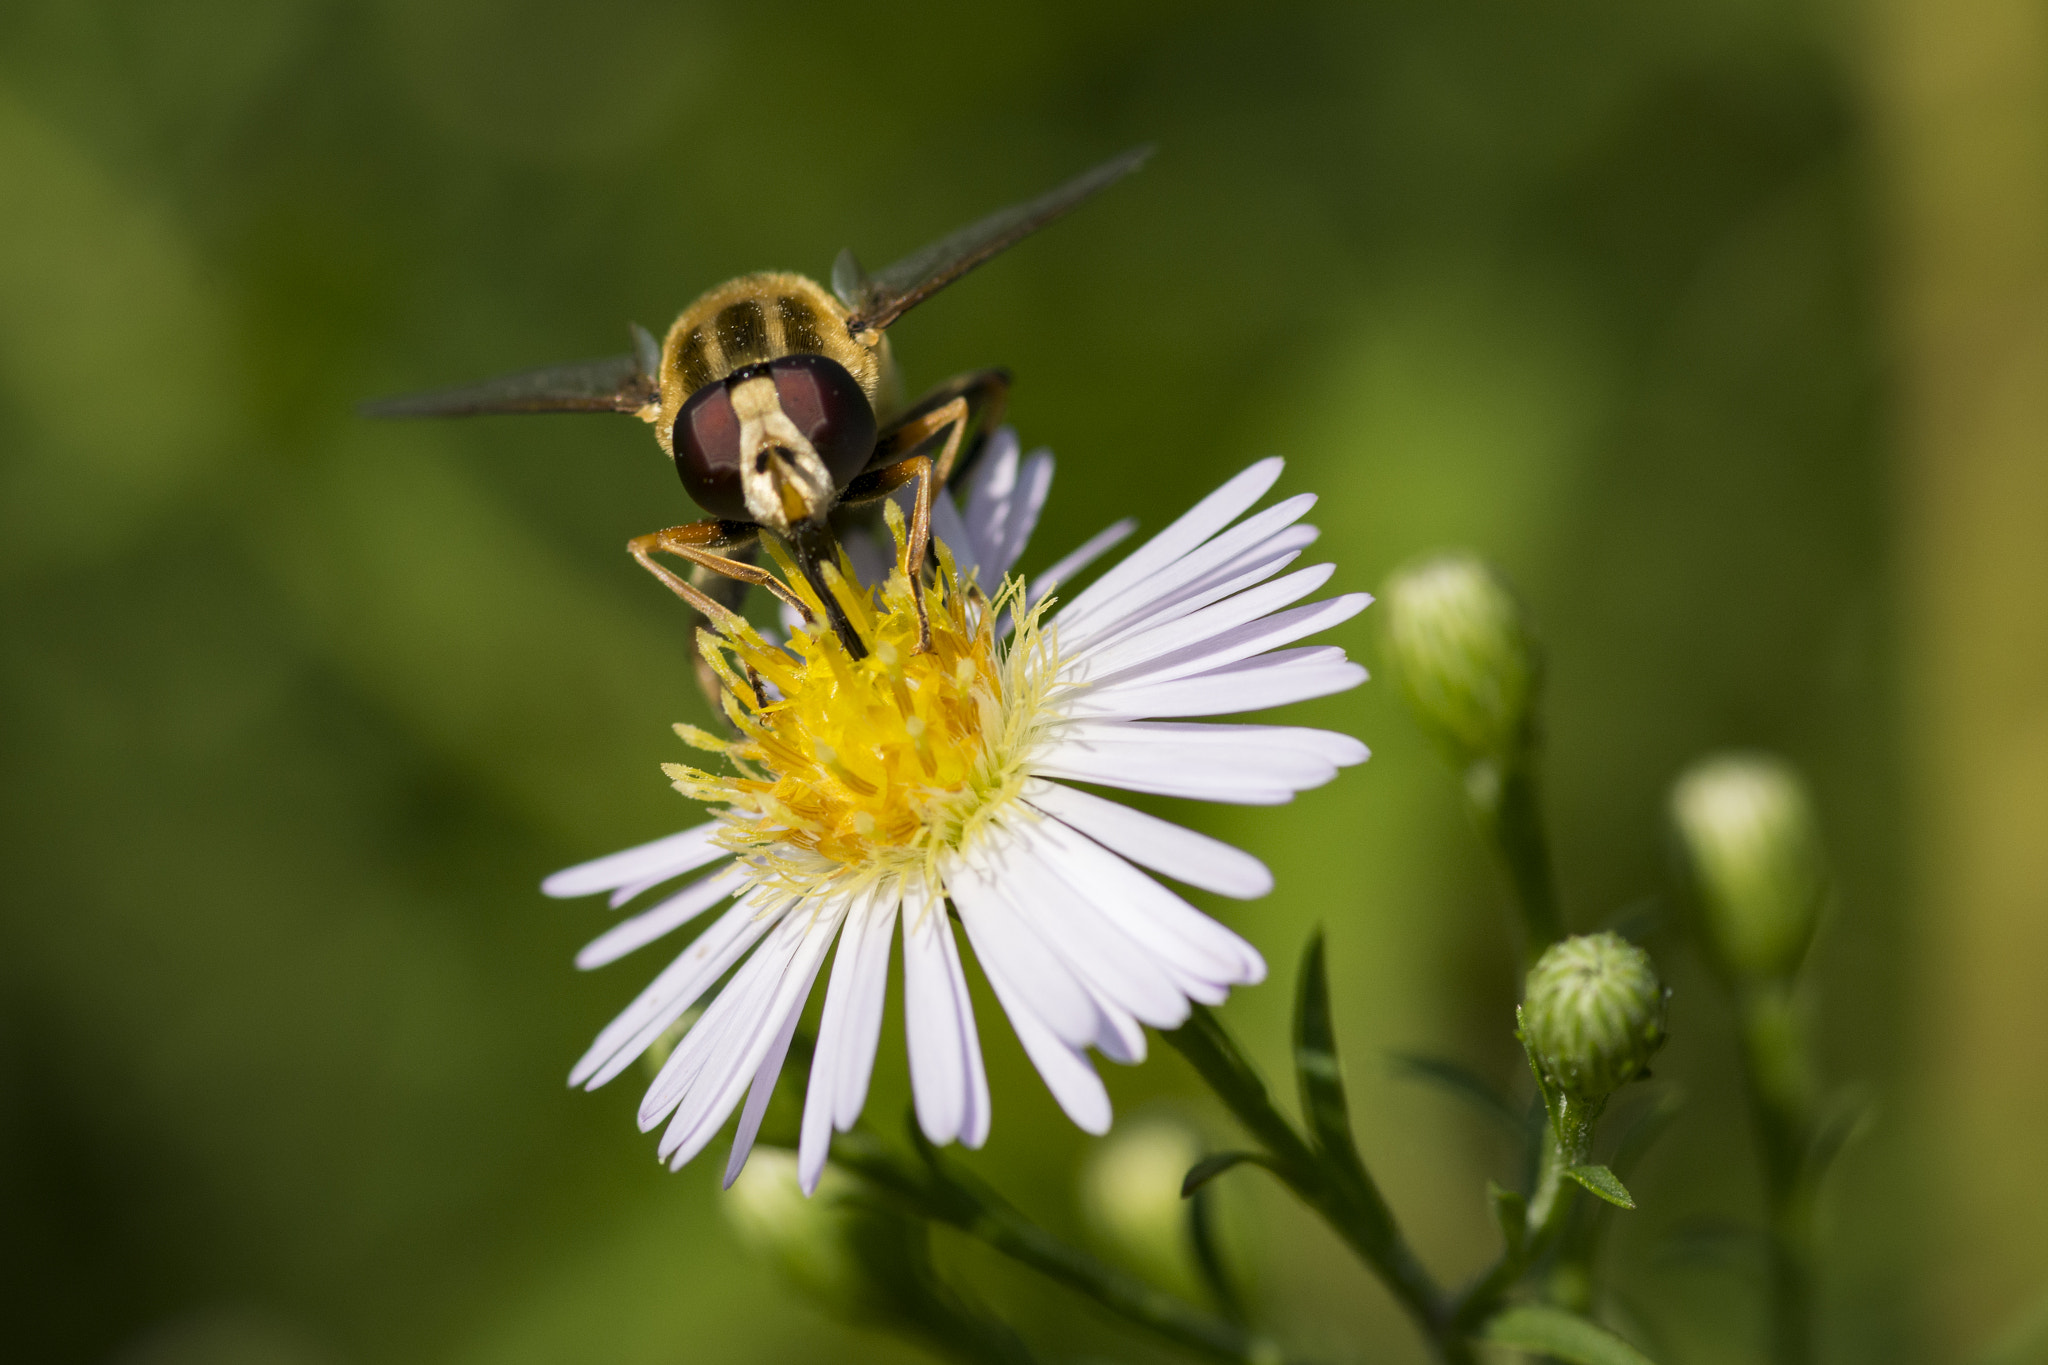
(707, 447)
(829, 407)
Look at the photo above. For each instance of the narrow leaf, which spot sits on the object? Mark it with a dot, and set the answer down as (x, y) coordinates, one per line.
(1604, 1183)
(1358, 1204)
(1209, 1167)
(1315, 1059)
(1543, 1330)
(1464, 1083)
(1510, 1215)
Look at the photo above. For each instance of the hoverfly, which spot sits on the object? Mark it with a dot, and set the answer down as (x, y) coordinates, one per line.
(775, 400)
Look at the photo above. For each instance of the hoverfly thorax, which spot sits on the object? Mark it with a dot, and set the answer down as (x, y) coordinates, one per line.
(768, 402)
(777, 402)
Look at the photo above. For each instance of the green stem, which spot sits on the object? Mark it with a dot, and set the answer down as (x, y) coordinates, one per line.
(1549, 1201)
(1340, 1191)
(1776, 1070)
(1549, 1207)
(941, 1192)
(1503, 797)
(1215, 1271)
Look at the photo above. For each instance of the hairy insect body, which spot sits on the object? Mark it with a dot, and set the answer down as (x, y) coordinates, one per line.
(763, 317)
(778, 403)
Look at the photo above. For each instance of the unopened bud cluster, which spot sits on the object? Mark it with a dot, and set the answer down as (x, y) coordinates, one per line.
(1593, 1014)
(1752, 845)
(1465, 655)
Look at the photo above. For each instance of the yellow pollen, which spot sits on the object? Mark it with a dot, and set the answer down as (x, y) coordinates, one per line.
(849, 770)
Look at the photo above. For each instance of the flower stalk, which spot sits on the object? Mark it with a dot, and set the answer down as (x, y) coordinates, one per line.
(1331, 1180)
(937, 1189)
(1752, 850)
(1471, 667)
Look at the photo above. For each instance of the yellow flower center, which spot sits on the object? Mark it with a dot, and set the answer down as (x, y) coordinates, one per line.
(848, 770)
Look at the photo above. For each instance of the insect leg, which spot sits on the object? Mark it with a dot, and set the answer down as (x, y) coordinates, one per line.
(877, 484)
(985, 393)
(718, 552)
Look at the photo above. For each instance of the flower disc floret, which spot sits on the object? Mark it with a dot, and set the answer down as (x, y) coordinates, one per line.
(846, 769)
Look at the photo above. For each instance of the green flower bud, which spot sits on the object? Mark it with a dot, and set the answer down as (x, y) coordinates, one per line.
(818, 1241)
(861, 1261)
(1593, 1014)
(1466, 657)
(1130, 1193)
(1753, 849)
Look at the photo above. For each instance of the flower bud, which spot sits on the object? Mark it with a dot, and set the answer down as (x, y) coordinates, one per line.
(862, 1260)
(1130, 1194)
(1753, 849)
(1466, 657)
(817, 1241)
(1593, 1014)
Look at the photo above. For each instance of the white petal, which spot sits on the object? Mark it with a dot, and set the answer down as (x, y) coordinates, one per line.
(1235, 763)
(1021, 517)
(1253, 685)
(1109, 964)
(945, 1052)
(1190, 569)
(1121, 1038)
(863, 1022)
(1211, 587)
(1277, 550)
(1252, 638)
(1198, 627)
(1065, 1068)
(755, 1027)
(649, 925)
(1203, 520)
(673, 992)
(1089, 551)
(1166, 771)
(985, 504)
(722, 1033)
(646, 865)
(974, 1117)
(1001, 935)
(1176, 932)
(1161, 845)
(948, 529)
(848, 1030)
(758, 1095)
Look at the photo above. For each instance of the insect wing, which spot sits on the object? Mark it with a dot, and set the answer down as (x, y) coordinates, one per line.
(889, 293)
(620, 383)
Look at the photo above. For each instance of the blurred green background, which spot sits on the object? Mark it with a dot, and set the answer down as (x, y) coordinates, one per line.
(296, 709)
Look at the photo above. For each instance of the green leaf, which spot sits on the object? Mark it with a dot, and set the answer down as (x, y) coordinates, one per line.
(1604, 1183)
(1510, 1215)
(1466, 1084)
(1209, 1167)
(1315, 1060)
(1543, 1330)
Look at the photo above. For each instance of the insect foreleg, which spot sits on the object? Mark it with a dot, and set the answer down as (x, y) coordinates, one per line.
(720, 574)
(880, 483)
(984, 393)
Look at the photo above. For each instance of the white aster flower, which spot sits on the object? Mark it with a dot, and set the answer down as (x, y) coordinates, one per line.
(861, 794)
